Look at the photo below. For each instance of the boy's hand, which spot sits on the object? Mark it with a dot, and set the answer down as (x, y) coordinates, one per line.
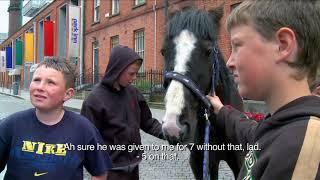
(216, 103)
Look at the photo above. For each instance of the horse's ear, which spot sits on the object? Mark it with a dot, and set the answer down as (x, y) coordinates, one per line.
(217, 13)
(172, 10)
(188, 7)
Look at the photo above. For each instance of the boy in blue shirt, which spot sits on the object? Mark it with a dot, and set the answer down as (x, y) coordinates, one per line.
(33, 143)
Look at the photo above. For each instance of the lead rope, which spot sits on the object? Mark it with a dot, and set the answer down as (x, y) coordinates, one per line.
(215, 78)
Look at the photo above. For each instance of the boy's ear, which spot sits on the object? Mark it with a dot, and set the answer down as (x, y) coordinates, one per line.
(287, 44)
(69, 94)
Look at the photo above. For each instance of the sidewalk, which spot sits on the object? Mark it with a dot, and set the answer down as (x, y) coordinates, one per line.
(72, 104)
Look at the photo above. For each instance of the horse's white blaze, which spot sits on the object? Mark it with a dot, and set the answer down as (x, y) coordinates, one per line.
(174, 98)
(184, 44)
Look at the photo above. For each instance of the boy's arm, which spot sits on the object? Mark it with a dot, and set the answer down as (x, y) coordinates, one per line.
(5, 139)
(89, 111)
(97, 161)
(149, 124)
(237, 127)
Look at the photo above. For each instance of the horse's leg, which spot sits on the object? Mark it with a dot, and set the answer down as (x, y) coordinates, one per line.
(214, 164)
(234, 159)
(196, 163)
(196, 159)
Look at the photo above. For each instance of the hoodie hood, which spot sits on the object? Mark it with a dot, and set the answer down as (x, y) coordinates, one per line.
(120, 58)
(297, 110)
(301, 107)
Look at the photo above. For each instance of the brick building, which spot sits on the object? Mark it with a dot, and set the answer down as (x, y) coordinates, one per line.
(88, 39)
(46, 34)
(139, 24)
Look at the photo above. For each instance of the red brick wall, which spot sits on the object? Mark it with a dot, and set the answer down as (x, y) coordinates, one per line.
(125, 24)
(143, 17)
(129, 19)
(51, 10)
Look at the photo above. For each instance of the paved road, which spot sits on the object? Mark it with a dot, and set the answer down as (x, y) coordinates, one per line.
(158, 164)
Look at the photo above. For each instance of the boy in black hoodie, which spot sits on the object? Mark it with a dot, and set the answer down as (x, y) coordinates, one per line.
(275, 51)
(119, 111)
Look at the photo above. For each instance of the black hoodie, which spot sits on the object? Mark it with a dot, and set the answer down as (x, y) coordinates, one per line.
(283, 146)
(119, 114)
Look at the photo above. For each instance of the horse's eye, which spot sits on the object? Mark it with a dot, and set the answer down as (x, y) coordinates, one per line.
(162, 52)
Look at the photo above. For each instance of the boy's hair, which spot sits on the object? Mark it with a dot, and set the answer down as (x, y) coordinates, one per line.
(61, 65)
(268, 16)
(138, 62)
(314, 85)
(315, 82)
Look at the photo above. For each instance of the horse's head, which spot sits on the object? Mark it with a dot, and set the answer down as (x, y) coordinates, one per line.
(188, 49)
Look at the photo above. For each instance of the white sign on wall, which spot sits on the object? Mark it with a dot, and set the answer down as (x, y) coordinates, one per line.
(74, 31)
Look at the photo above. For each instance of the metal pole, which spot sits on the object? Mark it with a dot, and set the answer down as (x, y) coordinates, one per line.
(82, 12)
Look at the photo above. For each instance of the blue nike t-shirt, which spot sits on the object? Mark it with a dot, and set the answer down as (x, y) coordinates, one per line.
(31, 149)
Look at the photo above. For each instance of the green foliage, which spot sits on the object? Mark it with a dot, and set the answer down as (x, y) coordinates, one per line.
(143, 85)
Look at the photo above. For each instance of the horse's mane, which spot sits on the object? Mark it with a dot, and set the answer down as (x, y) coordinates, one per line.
(205, 25)
(227, 89)
(197, 21)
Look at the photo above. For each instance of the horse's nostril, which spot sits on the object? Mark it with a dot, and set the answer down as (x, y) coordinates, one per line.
(173, 139)
(171, 129)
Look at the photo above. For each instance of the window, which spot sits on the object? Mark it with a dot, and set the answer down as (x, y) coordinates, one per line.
(115, 7)
(139, 45)
(114, 41)
(96, 10)
(139, 2)
(75, 2)
(95, 63)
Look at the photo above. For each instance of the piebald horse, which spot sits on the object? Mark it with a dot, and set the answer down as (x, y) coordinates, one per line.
(189, 49)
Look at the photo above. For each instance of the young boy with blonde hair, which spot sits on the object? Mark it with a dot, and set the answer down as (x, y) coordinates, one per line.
(275, 51)
(49, 142)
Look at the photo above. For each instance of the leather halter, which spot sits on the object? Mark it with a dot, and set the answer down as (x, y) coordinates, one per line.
(187, 82)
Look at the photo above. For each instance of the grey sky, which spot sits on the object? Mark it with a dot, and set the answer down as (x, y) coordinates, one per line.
(4, 16)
